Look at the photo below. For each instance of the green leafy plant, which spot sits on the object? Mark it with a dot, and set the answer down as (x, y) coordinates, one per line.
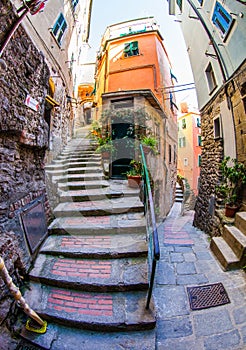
(136, 168)
(233, 179)
(105, 145)
(151, 142)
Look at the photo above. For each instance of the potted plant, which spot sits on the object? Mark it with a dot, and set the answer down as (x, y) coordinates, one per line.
(233, 178)
(106, 148)
(134, 175)
(149, 144)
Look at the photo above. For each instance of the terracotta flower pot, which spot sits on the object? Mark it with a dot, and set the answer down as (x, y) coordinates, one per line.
(230, 210)
(134, 180)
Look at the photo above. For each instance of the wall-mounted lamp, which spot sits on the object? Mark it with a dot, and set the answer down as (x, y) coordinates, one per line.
(72, 100)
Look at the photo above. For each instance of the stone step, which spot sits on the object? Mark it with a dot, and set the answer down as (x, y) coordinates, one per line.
(240, 221)
(235, 239)
(115, 311)
(80, 185)
(97, 275)
(179, 200)
(224, 253)
(56, 166)
(77, 160)
(95, 194)
(58, 337)
(74, 170)
(79, 177)
(97, 245)
(100, 207)
(122, 223)
(78, 154)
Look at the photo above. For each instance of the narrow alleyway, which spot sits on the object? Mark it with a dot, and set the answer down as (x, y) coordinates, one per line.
(186, 261)
(90, 277)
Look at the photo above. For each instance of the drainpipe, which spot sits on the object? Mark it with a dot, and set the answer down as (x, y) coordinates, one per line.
(14, 290)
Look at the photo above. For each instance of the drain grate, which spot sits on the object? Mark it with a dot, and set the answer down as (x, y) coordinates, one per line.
(203, 297)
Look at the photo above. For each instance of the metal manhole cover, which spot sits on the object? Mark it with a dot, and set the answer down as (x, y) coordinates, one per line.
(202, 297)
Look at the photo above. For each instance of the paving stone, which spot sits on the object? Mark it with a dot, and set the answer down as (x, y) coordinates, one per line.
(174, 328)
(204, 256)
(171, 301)
(186, 268)
(243, 331)
(176, 257)
(165, 273)
(180, 344)
(223, 341)
(195, 279)
(189, 257)
(212, 322)
(240, 315)
(181, 249)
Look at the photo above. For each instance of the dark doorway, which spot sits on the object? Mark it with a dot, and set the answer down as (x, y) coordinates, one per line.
(123, 136)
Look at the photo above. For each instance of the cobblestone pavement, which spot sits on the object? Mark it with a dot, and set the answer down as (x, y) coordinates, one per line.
(186, 261)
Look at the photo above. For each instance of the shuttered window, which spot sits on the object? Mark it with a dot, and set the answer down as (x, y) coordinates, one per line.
(59, 28)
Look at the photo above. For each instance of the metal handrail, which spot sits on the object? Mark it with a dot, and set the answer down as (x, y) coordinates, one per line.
(154, 248)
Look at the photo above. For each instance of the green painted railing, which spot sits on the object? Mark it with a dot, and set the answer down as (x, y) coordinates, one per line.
(154, 248)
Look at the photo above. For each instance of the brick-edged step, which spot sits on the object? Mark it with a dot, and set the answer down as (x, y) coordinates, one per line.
(94, 158)
(66, 165)
(224, 253)
(95, 194)
(99, 207)
(59, 337)
(240, 221)
(78, 177)
(96, 311)
(122, 223)
(79, 185)
(97, 275)
(235, 239)
(76, 170)
(97, 246)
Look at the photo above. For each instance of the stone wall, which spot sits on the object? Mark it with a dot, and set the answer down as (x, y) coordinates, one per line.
(206, 217)
(23, 143)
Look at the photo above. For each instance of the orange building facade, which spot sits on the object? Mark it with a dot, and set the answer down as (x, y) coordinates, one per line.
(133, 72)
(189, 147)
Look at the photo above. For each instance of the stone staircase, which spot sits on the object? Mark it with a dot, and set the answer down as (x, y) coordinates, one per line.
(230, 248)
(89, 280)
(178, 193)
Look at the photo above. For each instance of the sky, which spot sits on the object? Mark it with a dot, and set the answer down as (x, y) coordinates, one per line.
(108, 12)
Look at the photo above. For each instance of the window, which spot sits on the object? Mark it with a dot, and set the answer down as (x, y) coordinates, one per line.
(200, 2)
(199, 160)
(198, 122)
(182, 142)
(131, 49)
(74, 3)
(59, 28)
(183, 123)
(185, 161)
(210, 78)
(170, 154)
(222, 19)
(243, 94)
(217, 128)
(123, 103)
(199, 140)
(179, 3)
(174, 153)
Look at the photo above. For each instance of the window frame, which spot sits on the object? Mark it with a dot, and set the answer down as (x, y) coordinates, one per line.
(59, 28)
(74, 3)
(211, 79)
(132, 51)
(217, 125)
(222, 20)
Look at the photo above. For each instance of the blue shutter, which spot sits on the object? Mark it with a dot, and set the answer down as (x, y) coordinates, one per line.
(221, 19)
